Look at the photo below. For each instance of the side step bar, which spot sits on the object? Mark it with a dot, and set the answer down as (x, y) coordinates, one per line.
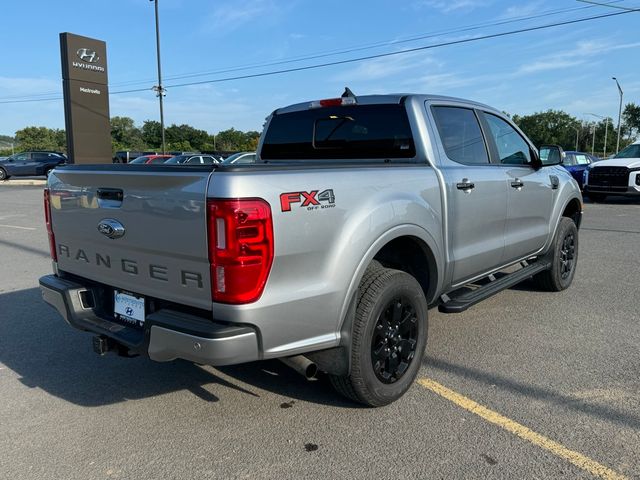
(459, 303)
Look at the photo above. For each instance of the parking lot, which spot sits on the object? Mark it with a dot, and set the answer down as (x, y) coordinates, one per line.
(527, 384)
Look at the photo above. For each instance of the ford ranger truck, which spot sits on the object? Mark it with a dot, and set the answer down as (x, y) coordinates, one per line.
(359, 214)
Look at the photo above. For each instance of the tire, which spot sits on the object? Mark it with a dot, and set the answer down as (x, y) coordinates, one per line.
(388, 340)
(3, 174)
(596, 197)
(563, 257)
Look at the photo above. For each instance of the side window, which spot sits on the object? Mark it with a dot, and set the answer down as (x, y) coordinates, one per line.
(512, 148)
(208, 160)
(22, 157)
(461, 135)
(195, 161)
(582, 159)
(569, 160)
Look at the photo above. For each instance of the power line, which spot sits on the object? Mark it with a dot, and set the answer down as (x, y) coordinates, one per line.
(377, 44)
(318, 55)
(367, 57)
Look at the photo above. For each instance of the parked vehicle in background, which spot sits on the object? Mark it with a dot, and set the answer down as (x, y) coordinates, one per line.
(193, 159)
(240, 158)
(128, 156)
(30, 163)
(149, 159)
(619, 175)
(326, 253)
(576, 163)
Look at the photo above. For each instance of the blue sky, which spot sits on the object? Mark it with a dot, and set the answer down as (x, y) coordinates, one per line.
(568, 67)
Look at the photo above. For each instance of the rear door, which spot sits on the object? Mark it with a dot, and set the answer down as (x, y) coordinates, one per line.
(530, 191)
(163, 252)
(476, 191)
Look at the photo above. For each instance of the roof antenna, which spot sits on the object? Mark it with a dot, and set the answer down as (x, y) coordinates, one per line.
(348, 93)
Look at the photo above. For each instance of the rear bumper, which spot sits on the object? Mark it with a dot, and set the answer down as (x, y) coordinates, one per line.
(167, 334)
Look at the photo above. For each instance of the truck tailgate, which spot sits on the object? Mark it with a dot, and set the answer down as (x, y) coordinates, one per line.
(163, 251)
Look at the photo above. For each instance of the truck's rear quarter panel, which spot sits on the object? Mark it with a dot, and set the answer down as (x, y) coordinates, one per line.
(320, 252)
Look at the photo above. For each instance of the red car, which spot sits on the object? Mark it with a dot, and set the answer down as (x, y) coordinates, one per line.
(147, 159)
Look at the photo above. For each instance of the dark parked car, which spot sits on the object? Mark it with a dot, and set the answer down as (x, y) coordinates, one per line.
(30, 163)
(576, 163)
(193, 159)
(149, 159)
(240, 158)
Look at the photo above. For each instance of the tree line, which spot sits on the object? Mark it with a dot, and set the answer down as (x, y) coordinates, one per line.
(551, 127)
(126, 135)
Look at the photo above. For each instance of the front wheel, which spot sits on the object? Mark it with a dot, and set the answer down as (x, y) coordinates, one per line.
(563, 257)
(3, 174)
(389, 338)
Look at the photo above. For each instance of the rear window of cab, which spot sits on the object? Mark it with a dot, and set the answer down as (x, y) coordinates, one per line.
(340, 132)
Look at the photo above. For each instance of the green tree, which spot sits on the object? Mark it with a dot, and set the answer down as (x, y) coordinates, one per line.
(631, 119)
(38, 138)
(125, 135)
(186, 133)
(553, 127)
(152, 133)
(236, 140)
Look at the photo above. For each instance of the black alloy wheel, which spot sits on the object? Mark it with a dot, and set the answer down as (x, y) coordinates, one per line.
(388, 337)
(567, 255)
(395, 336)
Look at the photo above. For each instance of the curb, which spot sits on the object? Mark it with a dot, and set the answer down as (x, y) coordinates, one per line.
(23, 183)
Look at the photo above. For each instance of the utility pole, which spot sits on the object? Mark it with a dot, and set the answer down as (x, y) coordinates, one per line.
(158, 88)
(619, 114)
(606, 131)
(593, 140)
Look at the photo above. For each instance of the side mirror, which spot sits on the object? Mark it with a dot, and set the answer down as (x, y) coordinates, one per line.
(551, 155)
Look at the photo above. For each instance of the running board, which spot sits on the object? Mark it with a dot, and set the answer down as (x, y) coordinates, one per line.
(459, 303)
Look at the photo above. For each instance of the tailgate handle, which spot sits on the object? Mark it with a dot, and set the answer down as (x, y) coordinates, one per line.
(110, 194)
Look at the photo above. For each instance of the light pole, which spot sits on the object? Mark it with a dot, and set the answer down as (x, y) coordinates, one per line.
(606, 130)
(158, 88)
(593, 138)
(619, 113)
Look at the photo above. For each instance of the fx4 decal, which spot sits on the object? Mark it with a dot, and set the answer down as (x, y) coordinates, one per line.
(310, 200)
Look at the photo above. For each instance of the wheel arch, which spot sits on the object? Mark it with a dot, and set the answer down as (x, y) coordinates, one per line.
(573, 210)
(398, 248)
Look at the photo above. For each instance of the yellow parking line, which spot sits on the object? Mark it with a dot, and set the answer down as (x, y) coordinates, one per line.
(581, 461)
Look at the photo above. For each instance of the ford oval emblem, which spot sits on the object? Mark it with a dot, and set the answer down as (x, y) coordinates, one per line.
(111, 228)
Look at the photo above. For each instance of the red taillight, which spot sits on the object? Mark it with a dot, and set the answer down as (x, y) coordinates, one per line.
(47, 220)
(240, 248)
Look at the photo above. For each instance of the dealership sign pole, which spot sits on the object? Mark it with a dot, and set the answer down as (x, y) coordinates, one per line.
(86, 99)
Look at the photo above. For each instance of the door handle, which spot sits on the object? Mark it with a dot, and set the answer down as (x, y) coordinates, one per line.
(517, 183)
(465, 185)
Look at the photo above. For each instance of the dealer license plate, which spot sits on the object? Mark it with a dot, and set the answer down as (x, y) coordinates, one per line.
(128, 307)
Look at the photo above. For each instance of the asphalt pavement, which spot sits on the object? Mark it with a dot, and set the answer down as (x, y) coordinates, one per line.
(527, 384)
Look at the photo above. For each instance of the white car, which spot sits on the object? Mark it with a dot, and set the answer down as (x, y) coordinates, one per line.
(619, 175)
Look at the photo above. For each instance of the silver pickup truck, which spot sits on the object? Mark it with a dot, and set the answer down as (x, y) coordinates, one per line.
(359, 214)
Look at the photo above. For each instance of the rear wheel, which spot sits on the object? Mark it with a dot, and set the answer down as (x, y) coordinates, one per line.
(3, 174)
(563, 257)
(389, 338)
